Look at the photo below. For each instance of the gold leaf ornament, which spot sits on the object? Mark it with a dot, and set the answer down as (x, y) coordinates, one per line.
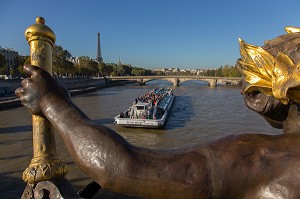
(256, 64)
(291, 29)
(276, 76)
(286, 79)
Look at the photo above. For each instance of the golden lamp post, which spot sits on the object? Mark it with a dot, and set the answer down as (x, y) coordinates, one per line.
(45, 174)
(44, 165)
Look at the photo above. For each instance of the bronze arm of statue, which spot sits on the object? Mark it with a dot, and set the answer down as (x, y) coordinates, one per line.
(239, 166)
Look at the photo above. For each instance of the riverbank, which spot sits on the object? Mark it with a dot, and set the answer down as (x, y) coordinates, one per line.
(10, 102)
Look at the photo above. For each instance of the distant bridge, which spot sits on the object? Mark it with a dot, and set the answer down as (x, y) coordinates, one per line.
(177, 80)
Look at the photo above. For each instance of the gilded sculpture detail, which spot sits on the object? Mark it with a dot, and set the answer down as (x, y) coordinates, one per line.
(275, 76)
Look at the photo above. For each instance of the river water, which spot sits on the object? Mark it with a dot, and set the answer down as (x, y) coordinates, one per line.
(199, 114)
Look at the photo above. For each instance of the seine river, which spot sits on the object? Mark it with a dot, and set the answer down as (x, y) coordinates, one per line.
(199, 114)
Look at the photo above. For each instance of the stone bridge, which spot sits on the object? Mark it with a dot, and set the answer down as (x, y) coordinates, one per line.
(177, 80)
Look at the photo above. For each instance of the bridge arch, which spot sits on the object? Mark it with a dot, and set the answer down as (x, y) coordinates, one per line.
(174, 82)
(200, 80)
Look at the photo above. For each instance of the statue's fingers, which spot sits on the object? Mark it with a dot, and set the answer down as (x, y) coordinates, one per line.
(30, 69)
(19, 92)
(25, 82)
(24, 100)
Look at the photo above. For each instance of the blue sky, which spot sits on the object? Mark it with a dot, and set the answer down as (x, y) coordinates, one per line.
(152, 34)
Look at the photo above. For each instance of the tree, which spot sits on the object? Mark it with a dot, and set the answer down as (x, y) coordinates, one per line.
(138, 71)
(112, 69)
(102, 68)
(87, 66)
(219, 72)
(60, 58)
(159, 73)
(2, 64)
(105, 69)
(20, 62)
(226, 71)
(119, 70)
(235, 72)
(127, 69)
(223, 71)
(68, 68)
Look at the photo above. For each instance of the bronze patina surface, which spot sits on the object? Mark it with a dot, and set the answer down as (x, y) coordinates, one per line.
(246, 166)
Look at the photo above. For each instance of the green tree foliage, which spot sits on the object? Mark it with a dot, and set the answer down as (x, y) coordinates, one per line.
(60, 61)
(235, 72)
(87, 66)
(127, 69)
(105, 69)
(2, 64)
(140, 72)
(68, 68)
(183, 73)
(223, 71)
(102, 68)
(118, 70)
(20, 62)
(159, 73)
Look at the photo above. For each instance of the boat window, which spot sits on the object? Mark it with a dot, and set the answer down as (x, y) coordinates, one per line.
(140, 107)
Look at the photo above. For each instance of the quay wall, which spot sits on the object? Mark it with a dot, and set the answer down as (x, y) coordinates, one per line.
(77, 83)
(8, 86)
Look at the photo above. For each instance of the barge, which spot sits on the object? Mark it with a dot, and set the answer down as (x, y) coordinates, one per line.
(148, 111)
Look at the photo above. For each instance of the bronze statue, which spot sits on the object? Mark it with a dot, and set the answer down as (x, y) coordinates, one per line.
(239, 166)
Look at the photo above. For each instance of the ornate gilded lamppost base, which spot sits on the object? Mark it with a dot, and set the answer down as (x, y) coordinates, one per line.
(42, 168)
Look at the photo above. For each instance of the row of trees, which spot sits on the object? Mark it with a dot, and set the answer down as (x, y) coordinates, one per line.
(85, 66)
(19, 61)
(63, 65)
(223, 71)
(2, 64)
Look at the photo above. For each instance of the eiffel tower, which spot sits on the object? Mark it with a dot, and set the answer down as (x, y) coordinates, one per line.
(99, 56)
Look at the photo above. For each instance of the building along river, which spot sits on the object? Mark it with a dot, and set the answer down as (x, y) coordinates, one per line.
(199, 114)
